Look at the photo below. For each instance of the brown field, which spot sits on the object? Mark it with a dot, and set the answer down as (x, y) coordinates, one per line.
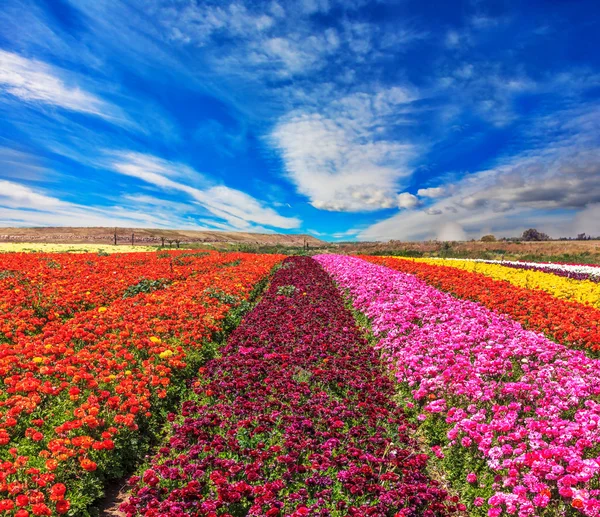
(144, 236)
(513, 249)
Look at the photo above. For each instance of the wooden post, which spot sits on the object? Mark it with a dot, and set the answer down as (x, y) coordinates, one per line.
(115, 236)
(132, 238)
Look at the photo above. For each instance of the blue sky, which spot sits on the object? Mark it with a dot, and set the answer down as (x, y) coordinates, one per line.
(353, 119)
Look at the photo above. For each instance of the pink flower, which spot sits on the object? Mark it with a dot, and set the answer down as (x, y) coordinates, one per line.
(471, 477)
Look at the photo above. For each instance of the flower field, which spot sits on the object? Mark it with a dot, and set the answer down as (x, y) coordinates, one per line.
(374, 386)
(514, 415)
(36, 289)
(576, 271)
(567, 322)
(83, 394)
(583, 291)
(57, 247)
(295, 418)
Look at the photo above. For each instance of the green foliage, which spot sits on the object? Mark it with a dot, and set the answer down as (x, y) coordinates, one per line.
(286, 290)
(222, 296)
(230, 264)
(145, 286)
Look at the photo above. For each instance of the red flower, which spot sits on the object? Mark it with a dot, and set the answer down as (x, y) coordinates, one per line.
(22, 500)
(63, 506)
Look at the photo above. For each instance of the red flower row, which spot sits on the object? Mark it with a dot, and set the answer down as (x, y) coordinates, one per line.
(84, 394)
(567, 322)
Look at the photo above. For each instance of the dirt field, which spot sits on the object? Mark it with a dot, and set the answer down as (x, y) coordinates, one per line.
(586, 251)
(144, 236)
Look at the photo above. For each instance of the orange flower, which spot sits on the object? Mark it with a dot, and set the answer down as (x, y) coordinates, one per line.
(89, 465)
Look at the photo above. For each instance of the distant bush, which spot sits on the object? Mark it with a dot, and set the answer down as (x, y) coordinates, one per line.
(534, 235)
(489, 238)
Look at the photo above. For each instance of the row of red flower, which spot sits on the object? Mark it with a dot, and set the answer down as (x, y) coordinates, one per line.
(37, 288)
(81, 399)
(296, 418)
(564, 321)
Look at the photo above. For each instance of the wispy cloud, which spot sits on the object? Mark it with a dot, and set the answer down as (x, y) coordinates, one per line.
(239, 209)
(35, 82)
(22, 205)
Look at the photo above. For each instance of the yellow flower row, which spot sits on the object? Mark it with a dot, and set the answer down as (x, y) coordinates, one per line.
(47, 247)
(582, 291)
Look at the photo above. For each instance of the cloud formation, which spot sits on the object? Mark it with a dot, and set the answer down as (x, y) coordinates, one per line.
(237, 208)
(33, 81)
(336, 158)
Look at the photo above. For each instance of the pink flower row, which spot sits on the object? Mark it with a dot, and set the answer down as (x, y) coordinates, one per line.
(525, 404)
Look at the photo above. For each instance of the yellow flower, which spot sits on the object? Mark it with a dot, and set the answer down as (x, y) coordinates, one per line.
(165, 354)
(127, 372)
(155, 339)
(38, 359)
(582, 291)
(102, 309)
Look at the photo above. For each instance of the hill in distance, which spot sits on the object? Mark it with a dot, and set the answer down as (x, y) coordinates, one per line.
(150, 236)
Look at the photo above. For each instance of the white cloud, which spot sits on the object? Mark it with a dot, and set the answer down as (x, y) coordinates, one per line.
(293, 54)
(339, 158)
(553, 185)
(16, 195)
(239, 209)
(198, 23)
(314, 6)
(406, 200)
(36, 82)
(431, 192)
(451, 231)
(21, 205)
(454, 39)
(20, 165)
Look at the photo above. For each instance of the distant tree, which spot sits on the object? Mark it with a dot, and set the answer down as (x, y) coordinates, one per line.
(534, 235)
(581, 237)
(488, 238)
